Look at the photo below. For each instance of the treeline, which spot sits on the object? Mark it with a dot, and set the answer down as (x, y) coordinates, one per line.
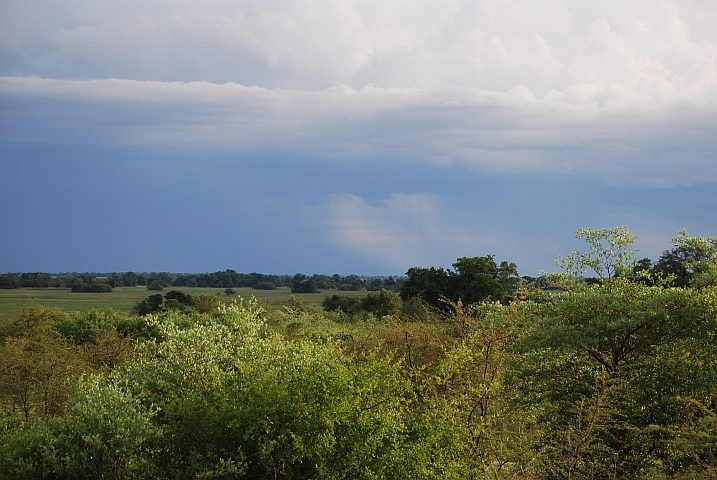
(79, 280)
(299, 283)
(615, 378)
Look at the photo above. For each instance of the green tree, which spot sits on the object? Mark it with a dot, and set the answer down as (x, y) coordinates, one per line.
(207, 303)
(151, 304)
(477, 278)
(613, 367)
(352, 283)
(129, 279)
(37, 364)
(343, 303)
(37, 280)
(155, 285)
(473, 279)
(429, 284)
(180, 297)
(381, 303)
(688, 257)
(10, 281)
(107, 433)
(230, 393)
(163, 278)
(303, 284)
(610, 255)
(115, 280)
(324, 282)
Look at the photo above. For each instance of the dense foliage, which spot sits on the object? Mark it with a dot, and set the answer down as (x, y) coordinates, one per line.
(608, 379)
(471, 280)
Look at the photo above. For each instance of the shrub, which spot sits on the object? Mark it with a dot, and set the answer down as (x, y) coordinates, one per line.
(152, 304)
(106, 434)
(207, 303)
(340, 302)
(381, 303)
(92, 288)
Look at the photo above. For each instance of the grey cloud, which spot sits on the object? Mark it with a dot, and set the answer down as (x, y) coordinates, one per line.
(618, 135)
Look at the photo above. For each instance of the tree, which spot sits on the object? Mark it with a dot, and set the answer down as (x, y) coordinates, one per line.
(164, 279)
(92, 288)
(37, 280)
(207, 303)
(115, 280)
(614, 369)
(351, 283)
(688, 257)
(10, 281)
(477, 278)
(231, 394)
(429, 284)
(610, 253)
(179, 296)
(107, 433)
(375, 285)
(340, 302)
(36, 364)
(303, 284)
(151, 304)
(129, 279)
(473, 279)
(381, 303)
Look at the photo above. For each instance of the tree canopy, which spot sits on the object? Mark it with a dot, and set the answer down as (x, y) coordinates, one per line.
(472, 280)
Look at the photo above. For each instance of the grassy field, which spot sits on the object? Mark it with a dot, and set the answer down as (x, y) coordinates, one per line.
(124, 298)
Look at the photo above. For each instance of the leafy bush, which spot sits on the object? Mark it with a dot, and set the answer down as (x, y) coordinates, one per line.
(207, 303)
(151, 304)
(106, 433)
(379, 304)
(340, 302)
(92, 288)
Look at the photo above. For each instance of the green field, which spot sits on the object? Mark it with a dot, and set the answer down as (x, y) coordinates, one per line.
(124, 298)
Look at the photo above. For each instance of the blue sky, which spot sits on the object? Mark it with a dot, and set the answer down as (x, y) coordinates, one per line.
(349, 136)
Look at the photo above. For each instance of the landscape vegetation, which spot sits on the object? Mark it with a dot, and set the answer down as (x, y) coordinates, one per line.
(606, 370)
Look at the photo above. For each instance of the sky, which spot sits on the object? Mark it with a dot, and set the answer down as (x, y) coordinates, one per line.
(349, 136)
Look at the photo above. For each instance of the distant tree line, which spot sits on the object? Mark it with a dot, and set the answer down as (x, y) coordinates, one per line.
(299, 283)
(471, 280)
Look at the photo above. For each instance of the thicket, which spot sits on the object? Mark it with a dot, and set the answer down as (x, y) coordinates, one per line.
(614, 378)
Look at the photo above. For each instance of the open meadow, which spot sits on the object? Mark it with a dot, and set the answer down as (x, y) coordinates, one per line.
(124, 298)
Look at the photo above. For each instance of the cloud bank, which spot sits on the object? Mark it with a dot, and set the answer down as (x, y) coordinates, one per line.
(314, 44)
(609, 89)
(617, 137)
